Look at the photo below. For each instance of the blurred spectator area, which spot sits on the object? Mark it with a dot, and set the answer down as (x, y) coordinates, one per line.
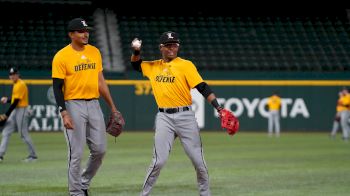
(31, 33)
(281, 43)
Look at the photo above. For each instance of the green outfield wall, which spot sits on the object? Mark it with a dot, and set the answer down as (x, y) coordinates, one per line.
(307, 105)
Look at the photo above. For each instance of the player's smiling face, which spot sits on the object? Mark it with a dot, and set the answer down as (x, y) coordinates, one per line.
(80, 37)
(169, 51)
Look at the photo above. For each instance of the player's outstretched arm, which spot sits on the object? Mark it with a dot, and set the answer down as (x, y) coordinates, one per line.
(228, 120)
(209, 95)
(116, 120)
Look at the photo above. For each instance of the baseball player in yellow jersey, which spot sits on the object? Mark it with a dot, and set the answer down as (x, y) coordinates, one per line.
(274, 105)
(172, 78)
(343, 114)
(17, 116)
(336, 121)
(78, 82)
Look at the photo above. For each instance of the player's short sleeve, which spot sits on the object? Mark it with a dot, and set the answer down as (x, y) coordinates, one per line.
(99, 61)
(18, 91)
(58, 67)
(146, 67)
(192, 76)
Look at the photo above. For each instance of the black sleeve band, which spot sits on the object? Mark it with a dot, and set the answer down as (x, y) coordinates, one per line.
(9, 100)
(204, 89)
(136, 52)
(57, 90)
(12, 107)
(137, 65)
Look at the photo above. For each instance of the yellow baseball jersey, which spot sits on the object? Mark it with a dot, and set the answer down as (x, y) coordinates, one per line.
(172, 81)
(20, 91)
(343, 103)
(340, 107)
(274, 102)
(79, 69)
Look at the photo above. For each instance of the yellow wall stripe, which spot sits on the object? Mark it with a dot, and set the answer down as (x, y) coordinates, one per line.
(216, 82)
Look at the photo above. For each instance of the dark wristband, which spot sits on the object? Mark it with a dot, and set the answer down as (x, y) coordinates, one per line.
(216, 104)
(136, 52)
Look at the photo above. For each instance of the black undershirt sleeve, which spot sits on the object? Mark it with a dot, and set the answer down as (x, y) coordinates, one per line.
(12, 107)
(57, 90)
(204, 89)
(136, 65)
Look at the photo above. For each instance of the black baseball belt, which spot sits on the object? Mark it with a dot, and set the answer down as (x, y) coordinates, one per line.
(174, 110)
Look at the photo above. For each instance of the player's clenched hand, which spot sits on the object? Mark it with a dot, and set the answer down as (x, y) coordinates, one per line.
(136, 44)
(67, 120)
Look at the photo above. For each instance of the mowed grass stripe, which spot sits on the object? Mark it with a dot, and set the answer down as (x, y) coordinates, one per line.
(246, 164)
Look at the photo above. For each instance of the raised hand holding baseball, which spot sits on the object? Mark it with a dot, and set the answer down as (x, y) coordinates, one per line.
(136, 44)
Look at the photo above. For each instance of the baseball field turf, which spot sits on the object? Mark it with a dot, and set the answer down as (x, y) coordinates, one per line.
(246, 164)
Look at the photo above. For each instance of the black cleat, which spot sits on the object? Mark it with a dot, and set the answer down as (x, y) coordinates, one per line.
(86, 192)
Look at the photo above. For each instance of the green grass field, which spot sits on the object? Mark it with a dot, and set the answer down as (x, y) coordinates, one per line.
(247, 164)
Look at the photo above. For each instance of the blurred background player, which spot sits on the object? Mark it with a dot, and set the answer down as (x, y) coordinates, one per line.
(17, 116)
(274, 105)
(336, 121)
(343, 114)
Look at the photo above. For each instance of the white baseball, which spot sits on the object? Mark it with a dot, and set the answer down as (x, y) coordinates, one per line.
(136, 43)
(3, 99)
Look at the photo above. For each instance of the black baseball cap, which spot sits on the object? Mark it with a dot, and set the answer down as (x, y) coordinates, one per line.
(169, 37)
(13, 70)
(78, 24)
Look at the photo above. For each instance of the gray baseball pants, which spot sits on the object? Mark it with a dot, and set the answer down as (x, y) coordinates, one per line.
(90, 129)
(344, 121)
(335, 125)
(274, 121)
(167, 128)
(18, 120)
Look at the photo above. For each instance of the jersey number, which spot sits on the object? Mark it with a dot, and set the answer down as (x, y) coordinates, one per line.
(143, 89)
